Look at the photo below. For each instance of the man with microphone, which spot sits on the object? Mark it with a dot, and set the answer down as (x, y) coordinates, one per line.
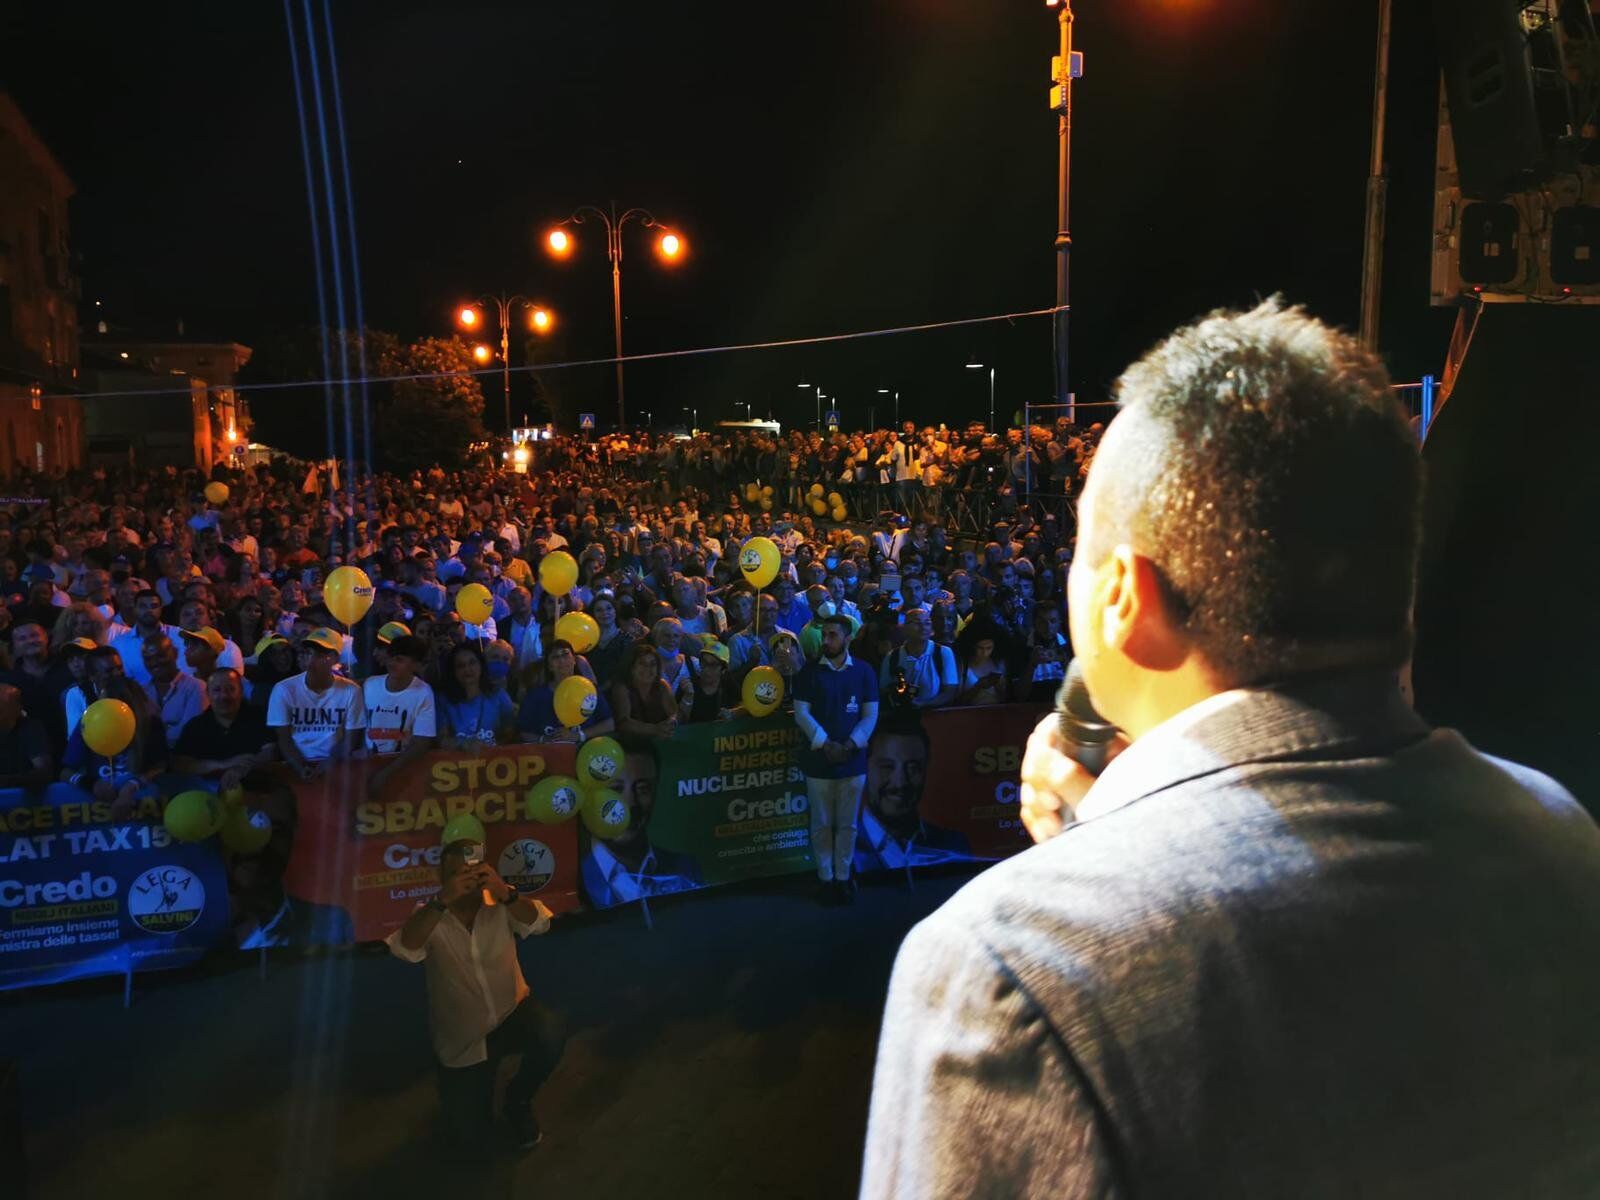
(1290, 940)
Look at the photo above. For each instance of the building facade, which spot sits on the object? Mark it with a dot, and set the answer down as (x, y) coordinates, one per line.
(41, 416)
(187, 412)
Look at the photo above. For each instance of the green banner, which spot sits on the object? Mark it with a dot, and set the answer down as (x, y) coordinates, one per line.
(731, 796)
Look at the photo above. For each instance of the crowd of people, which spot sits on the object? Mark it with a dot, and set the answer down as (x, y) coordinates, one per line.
(206, 616)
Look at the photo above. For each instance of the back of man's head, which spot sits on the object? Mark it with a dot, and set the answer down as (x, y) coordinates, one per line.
(1262, 464)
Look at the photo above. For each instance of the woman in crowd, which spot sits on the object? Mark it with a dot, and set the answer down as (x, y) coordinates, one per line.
(606, 657)
(246, 623)
(668, 636)
(536, 716)
(473, 714)
(79, 619)
(641, 699)
(982, 671)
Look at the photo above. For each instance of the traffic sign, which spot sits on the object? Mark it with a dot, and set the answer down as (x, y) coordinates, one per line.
(833, 419)
(585, 420)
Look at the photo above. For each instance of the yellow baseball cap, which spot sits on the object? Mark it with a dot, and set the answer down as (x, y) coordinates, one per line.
(267, 642)
(325, 639)
(392, 630)
(84, 644)
(716, 649)
(207, 635)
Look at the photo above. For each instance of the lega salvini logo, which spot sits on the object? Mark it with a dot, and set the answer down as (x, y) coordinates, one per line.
(527, 865)
(166, 900)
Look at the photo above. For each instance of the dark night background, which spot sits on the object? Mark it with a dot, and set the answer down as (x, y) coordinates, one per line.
(835, 166)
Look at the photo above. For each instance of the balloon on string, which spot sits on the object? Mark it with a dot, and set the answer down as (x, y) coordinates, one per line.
(475, 603)
(752, 491)
(839, 513)
(762, 691)
(579, 628)
(246, 832)
(819, 506)
(347, 592)
(835, 500)
(599, 761)
(216, 491)
(767, 491)
(193, 816)
(554, 799)
(558, 572)
(605, 813)
(575, 701)
(758, 561)
(816, 489)
(108, 727)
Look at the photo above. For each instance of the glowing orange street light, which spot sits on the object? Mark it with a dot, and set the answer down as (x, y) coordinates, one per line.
(482, 354)
(541, 320)
(468, 317)
(670, 248)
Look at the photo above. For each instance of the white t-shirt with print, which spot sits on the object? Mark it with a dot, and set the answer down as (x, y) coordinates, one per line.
(393, 718)
(316, 719)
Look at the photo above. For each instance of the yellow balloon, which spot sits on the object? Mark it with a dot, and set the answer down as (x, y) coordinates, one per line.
(835, 500)
(766, 490)
(216, 492)
(108, 727)
(195, 816)
(582, 630)
(752, 492)
(839, 513)
(558, 572)
(763, 691)
(554, 799)
(766, 504)
(605, 812)
(759, 561)
(819, 506)
(575, 701)
(348, 593)
(243, 831)
(817, 489)
(475, 603)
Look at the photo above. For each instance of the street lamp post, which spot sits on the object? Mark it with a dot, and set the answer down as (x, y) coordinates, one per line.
(669, 246)
(469, 318)
(1061, 103)
(978, 366)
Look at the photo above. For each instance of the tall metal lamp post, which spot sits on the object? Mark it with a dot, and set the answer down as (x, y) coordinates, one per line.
(670, 248)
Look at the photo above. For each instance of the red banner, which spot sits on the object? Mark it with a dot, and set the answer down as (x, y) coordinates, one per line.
(364, 864)
(942, 786)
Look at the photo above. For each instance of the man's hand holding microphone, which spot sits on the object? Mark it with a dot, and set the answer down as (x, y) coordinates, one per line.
(1066, 752)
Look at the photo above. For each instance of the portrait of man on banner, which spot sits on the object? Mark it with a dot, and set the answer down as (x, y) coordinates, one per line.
(892, 833)
(627, 867)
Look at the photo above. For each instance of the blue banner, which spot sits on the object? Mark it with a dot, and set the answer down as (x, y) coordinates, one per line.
(82, 895)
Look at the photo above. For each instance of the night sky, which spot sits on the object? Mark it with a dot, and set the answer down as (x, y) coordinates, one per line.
(835, 166)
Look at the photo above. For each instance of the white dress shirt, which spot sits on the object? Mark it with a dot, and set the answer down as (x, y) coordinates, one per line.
(474, 979)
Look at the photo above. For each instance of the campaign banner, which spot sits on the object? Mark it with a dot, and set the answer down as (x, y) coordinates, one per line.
(942, 786)
(361, 865)
(715, 803)
(81, 894)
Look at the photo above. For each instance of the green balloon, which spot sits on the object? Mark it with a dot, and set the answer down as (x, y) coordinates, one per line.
(600, 761)
(463, 827)
(554, 799)
(246, 832)
(193, 816)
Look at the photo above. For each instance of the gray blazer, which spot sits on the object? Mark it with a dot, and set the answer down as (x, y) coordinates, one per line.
(1312, 949)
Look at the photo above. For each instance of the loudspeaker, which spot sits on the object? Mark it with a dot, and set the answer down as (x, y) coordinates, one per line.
(1489, 243)
(1489, 86)
(1575, 245)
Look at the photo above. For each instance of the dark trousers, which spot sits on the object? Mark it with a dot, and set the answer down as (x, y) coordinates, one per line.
(466, 1094)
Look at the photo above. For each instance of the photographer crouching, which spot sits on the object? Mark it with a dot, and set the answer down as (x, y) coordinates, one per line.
(480, 1008)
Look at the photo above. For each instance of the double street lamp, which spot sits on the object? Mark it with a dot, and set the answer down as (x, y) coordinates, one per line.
(670, 249)
(470, 318)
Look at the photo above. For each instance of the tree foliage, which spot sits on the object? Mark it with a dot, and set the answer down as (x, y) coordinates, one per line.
(434, 418)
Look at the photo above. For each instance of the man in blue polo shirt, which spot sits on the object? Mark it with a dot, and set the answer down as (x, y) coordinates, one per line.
(835, 707)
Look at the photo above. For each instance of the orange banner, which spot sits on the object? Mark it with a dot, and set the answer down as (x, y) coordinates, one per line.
(367, 862)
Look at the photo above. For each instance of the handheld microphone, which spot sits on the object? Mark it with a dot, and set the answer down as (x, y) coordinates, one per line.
(1087, 734)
